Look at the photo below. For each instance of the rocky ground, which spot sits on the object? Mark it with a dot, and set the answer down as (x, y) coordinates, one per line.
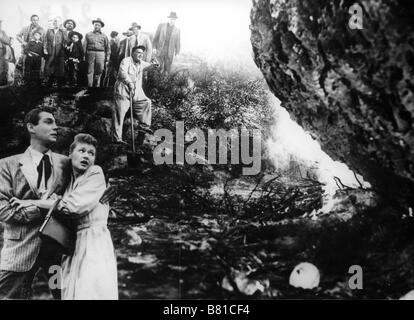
(206, 243)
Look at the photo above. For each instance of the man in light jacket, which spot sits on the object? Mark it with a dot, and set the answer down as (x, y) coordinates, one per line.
(127, 86)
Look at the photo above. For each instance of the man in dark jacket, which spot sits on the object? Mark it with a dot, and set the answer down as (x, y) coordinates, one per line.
(167, 43)
(33, 61)
(55, 41)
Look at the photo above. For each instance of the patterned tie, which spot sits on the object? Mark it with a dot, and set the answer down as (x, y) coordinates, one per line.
(45, 162)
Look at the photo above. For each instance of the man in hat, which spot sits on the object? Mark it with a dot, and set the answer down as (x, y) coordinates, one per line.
(139, 39)
(69, 25)
(25, 35)
(167, 43)
(97, 51)
(129, 86)
(4, 42)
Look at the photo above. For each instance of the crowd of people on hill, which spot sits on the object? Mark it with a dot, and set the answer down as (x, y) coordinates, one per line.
(61, 56)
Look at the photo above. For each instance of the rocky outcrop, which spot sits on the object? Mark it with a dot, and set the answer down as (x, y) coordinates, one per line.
(352, 89)
(75, 111)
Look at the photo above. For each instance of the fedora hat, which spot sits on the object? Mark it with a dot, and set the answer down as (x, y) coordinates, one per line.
(66, 21)
(172, 15)
(135, 25)
(98, 20)
(77, 33)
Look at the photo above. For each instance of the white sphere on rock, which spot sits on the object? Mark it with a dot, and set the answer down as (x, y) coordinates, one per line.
(305, 275)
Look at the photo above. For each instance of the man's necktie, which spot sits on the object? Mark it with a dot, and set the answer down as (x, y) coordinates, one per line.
(44, 163)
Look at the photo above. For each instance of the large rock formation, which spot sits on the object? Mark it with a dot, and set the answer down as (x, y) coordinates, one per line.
(351, 89)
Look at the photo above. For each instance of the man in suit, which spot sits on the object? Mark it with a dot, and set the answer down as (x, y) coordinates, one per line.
(167, 43)
(138, 39)
(35, 173)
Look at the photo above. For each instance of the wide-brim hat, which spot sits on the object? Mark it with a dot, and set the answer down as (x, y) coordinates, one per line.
(135, 25)
(73, 21)
(80, 36)
(98, 20)
(172, 15)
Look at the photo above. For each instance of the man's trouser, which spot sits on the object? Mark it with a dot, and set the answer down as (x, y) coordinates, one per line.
(141, 110)
(3, 69)
(165, 62)
(10, 74)
(96, 65)
(18, 285)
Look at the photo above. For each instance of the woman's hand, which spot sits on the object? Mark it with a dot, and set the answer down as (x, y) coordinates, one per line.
(20, 204)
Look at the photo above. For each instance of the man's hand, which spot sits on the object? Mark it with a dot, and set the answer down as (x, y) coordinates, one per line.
(131, 87)
(110, 195)
(20, 204)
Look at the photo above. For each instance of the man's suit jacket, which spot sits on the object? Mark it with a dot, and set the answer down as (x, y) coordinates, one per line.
(142, 40)
(55, 41)
(161, 37)
(18, 178)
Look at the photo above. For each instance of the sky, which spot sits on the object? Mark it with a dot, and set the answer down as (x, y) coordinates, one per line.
(212, 29)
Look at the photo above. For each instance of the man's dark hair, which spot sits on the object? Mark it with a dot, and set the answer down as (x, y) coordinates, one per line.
(33, 115)
(138, 47)
(85, 139)
(34, 15)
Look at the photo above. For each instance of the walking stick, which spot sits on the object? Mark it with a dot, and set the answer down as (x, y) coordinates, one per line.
(133, 157)
(132, 122)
